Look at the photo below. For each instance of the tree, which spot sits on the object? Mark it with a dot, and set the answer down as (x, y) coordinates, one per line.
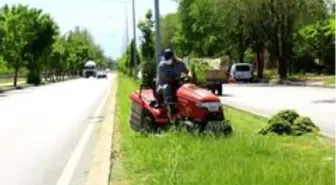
(30, 39)
(282, 19)
(168, 26)
(16, 33)
(202, 27)
(43, 32)
(147, 49)
(125, 63)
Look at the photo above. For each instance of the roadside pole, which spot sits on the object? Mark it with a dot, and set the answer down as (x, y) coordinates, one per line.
(134, 42)
(157, 31)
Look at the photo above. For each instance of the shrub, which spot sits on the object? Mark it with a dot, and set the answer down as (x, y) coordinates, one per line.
(34, 77)
(289, 122)
(270, 74)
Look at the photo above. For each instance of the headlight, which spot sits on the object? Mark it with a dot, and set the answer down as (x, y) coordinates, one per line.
(212, 106)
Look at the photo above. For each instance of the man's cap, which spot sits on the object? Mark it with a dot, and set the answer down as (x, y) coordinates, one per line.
(168, 54)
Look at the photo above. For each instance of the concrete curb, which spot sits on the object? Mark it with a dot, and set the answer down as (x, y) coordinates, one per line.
(100, 170)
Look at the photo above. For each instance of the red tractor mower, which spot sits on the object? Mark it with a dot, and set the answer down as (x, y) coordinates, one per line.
(197, 109)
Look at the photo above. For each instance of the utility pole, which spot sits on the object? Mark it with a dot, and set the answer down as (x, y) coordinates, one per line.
(134, 42)
(126, 22)
(157, 31)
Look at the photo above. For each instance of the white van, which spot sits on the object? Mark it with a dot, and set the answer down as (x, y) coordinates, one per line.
(242, 71)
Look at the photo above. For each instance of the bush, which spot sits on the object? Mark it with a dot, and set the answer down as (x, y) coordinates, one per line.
(34, 78)
(289, 122)
(269, 74)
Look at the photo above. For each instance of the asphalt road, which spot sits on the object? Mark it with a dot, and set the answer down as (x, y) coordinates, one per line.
(44, 132)
(317, 103)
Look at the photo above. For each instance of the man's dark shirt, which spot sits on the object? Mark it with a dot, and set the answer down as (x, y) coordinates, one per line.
(172, 71)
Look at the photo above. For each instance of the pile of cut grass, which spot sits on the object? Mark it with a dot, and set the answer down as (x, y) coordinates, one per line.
(245, 158)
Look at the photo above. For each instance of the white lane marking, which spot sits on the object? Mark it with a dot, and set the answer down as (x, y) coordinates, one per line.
(72, 163)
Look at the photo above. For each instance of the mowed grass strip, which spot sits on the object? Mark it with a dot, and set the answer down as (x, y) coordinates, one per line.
(244, 158)
(8, 82)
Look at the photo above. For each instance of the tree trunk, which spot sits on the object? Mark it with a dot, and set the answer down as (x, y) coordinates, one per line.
(16, 72)
(282, 62)
(282, 68)
(241, 56)
(260, 66)
(46, 75)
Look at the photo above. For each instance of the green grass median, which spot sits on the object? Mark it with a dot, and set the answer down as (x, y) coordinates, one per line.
(244, 158)
(325, 79)
(8, 82)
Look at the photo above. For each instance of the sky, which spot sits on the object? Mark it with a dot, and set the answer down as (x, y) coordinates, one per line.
(105, 19)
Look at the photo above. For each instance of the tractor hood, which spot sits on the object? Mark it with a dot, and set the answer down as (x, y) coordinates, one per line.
(195, 93)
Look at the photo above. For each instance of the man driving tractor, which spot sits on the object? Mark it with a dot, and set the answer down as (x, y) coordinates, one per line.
(169, 75)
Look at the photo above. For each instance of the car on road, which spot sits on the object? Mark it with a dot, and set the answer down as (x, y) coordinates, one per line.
(101, 74)
(90, 69)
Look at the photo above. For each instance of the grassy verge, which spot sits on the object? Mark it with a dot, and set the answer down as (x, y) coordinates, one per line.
(244, 158)
(7, 82)
(326, 79)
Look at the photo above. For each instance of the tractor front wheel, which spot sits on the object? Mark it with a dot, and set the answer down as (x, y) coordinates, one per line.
(147, 124)
(218, 129)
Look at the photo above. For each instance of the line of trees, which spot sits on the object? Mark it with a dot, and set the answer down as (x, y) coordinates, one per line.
(31, 41)
(297, 35)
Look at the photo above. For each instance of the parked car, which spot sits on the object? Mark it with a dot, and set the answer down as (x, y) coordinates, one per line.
(242, 71)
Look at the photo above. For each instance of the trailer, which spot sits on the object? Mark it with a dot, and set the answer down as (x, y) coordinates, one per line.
(217, 75)
(215, 78)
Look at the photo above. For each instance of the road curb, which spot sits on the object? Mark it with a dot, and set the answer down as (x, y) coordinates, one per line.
(100, 170)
